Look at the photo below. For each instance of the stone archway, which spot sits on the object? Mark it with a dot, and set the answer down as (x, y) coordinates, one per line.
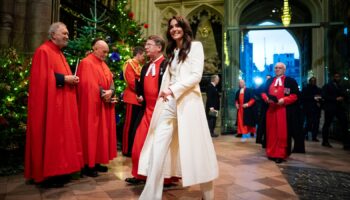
(237, 14)
(207, 25)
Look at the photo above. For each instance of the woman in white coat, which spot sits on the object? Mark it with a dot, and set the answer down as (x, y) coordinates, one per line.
(178, 141)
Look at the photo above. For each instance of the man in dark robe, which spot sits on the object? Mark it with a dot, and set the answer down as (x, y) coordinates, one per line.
(335, 106)
(282, 116)
(96, 110)
(131, 71)
(53, 143)
(311, 102)
(212, 106)
(246, 111)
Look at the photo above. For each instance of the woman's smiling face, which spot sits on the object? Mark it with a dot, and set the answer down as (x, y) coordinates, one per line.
(176, 31)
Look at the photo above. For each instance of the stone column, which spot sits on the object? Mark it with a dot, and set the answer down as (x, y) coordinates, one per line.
(140, 10)
(37, 24)
(6, 22)
(55, 16)
(230, 67)
(19, 25)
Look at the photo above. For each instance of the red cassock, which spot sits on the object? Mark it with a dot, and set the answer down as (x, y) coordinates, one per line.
(53, 143)
(276, 122)
(96, 117)
(131, 71)
(241, 127)
(150, 95)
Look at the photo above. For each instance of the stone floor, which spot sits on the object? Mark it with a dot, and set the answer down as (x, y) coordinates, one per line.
(245, 173)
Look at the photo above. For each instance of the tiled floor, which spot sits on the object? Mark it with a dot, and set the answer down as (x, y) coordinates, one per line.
(245, 173)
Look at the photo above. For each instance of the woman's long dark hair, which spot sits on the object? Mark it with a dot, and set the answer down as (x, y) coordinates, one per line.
(186, 43)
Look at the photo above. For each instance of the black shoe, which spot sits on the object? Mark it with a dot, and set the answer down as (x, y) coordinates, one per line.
(326, 144)
(134, 181)
(239, 135)
(101, 168)
(346, 147)
(214, 135)
(54, 182)
(270, 158)
(127, 155)
(91, 172)
(315, 140)
(278, 160)
(169, 186)
(49, 184)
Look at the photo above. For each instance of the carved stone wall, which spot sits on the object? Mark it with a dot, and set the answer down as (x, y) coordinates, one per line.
(24, 23)
(157, 12)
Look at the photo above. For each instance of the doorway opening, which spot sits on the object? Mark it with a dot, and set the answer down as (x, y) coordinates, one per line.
(260, 50)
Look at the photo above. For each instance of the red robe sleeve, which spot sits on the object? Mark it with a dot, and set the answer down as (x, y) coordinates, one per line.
(290, 99)
(251, 102)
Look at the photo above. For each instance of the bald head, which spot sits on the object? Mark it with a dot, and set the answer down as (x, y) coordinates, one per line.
(241, 83)
(100, 49)
(280, 69)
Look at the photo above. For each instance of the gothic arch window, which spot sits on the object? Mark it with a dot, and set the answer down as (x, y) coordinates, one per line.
(166, 14)
(207, 23)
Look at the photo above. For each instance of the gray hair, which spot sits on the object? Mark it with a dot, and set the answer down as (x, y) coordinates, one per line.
(213, 77)
(53, 28)
(282, 64)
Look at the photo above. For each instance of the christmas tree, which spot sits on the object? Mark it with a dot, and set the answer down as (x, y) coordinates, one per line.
(14, 72)
(121, 32)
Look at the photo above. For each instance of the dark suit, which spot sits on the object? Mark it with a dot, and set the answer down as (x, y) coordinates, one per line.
(311, 108)
(334, 108)
(213, 100)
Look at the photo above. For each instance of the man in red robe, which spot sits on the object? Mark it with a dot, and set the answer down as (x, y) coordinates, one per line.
(131, 70)
(147, 94)
(282, 116)
(96, 110)
(53, 143)
(246, 112)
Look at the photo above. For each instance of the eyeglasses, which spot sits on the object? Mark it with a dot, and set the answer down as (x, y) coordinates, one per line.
(148, 44)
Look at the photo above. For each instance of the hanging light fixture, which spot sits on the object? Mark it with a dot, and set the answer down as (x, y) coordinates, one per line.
(287, 13)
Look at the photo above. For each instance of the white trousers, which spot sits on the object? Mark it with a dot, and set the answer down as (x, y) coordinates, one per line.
(153, 189)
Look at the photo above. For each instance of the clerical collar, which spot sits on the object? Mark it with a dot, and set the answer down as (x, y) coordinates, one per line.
(152, 66)
(278, 81)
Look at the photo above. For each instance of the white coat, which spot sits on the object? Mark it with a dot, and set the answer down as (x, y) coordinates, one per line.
(191, 154)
